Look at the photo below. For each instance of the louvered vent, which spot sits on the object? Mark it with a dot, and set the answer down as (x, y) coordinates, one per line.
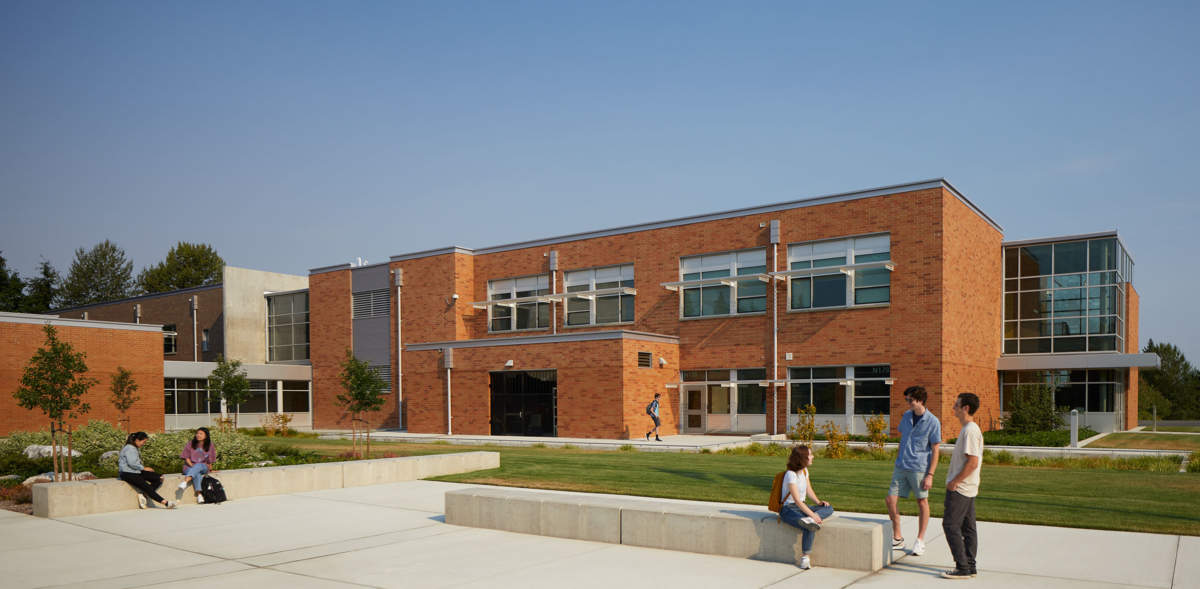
(371, 303)
(385, 374)
(645, 359)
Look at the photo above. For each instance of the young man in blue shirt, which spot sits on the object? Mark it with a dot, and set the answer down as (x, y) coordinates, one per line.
(652, 411)
(920, 435)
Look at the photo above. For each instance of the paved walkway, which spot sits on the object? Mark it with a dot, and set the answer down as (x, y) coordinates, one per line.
(669, 443)
(391, 536)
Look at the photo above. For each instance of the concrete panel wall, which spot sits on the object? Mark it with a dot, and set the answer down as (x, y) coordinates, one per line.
(246, 310)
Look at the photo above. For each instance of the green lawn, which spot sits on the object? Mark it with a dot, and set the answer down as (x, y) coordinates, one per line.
(1126, 500)
(1148, 441)
(1180, 428)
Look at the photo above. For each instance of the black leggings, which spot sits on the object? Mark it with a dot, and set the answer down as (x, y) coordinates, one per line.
(146, 482)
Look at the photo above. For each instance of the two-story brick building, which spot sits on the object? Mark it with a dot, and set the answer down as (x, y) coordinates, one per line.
(738, 318)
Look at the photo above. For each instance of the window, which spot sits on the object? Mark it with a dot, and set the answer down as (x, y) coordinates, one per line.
(529, 315)
(607, 309)
(169, 339)
(834, 288)
(204, 340)
(822, 387)
(188, 397)
(295, 396)
(1090, 391)
(745, 296)
(751, 398)
(1065, 297)
(287, 327)
(645, 360)
(872, 393)
(371, 303)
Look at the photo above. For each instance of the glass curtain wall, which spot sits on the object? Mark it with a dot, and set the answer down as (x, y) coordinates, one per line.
(1065, 297)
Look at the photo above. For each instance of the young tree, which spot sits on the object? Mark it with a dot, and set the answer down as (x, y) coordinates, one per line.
(54, 382)
(41, 293)
(187, 265)
(100, 274)
(363, 393)
(12, 289)
(1033, 409)
(228, 383)
(123, 388)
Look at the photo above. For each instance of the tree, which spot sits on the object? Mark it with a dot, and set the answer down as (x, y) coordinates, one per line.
(12, 289)
(227, 382)
(54, 382)
(98, 275)
(1176, 380)
(1033, 409)
(187, 265)
(123, 388)
(363, 393)
(42, 293)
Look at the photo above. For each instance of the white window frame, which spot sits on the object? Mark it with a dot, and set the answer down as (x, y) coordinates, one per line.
(589, 278)
(712, 262)
(851, 248)
(507, 289)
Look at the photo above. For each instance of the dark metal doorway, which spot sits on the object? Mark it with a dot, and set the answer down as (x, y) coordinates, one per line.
(524, 403)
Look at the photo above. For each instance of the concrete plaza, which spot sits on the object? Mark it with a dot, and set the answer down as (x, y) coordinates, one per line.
(393, 535)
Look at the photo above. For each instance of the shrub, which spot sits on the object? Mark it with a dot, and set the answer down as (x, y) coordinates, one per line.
(1032, 410)
(17, 441)
(538, 445)
(24, 467)
(275, 424)
(877, 426)
(98, 436)
(806, 428)
(1053, 439)
(629, 448)
(569, 447)
(233, 450)
(835, 440)
(19, 494)
(1194, 462)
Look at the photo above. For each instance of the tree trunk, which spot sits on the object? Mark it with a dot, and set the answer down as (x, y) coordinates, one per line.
(70, 455)
(54, 450)
(368, 429)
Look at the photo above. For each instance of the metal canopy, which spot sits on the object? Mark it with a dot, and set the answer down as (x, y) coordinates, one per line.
(845, 269)
(592, 294)
(726, 280)
(511, 302)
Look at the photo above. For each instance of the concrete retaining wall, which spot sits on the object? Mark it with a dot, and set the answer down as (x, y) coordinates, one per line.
(740, 533)
(55, 500)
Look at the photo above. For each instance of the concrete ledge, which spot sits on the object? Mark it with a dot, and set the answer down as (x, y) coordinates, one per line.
(752, 533)
(57, 500)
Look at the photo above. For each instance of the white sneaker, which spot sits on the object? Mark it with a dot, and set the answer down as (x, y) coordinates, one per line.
(182, 486)
(199, 499)
(171, 505)
(918, 547)
(804, 565)
(141, 501)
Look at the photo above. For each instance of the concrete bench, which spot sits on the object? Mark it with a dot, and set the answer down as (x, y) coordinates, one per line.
(748, 532)
(55, 500)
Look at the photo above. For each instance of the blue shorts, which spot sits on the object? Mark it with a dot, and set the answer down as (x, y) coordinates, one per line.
(907, 482)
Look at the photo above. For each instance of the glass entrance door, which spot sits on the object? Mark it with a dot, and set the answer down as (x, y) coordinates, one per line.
(693, 409)
(524, 403)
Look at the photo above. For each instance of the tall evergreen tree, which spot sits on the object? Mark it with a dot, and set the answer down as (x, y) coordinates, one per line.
(12, 289)
(187, 265)
(100, 274)
(41, 293)
(1177, 381)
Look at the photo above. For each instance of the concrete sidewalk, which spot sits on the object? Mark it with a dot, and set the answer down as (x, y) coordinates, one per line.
(393, 535)
(669, 444)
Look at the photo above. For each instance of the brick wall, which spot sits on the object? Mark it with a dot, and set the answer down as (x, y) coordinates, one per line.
(167, 310)
(1132, 346)
(105, 349)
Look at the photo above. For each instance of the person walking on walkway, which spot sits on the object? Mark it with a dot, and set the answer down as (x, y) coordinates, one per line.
(130, 470)
(198, 457)
(920, 435)
(652, 411)
(962, 485)
(796, 486)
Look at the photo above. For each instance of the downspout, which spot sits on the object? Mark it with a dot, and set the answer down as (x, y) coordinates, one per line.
(399, 274)
(553, 290)
(448, 363)
(195, 348)
(775, 328)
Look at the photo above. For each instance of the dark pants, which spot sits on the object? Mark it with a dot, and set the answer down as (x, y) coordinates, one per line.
(958, 521)
(146, 482)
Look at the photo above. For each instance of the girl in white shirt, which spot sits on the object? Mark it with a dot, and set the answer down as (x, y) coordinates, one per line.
(796, 486)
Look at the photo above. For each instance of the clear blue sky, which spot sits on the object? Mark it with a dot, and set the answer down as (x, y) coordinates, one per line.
(292, 135)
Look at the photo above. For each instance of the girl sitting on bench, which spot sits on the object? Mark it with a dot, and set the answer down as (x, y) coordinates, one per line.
(796, 486)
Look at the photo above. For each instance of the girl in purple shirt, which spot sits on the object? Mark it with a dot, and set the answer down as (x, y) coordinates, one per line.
(198, 457)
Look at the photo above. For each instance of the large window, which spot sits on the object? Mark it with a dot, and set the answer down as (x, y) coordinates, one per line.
(832, 287)
(606, 309)
(745, 296)
(188, 397)
(1065, 297)
(824, 387)
(750, 398)
(528, 315)
(287, 327)
(1091, 391)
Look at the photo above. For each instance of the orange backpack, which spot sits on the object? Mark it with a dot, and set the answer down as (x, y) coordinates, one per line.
(775, 503)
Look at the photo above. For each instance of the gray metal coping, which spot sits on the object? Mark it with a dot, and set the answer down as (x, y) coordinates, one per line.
(139, 298)
(544, 339)
(32, 319)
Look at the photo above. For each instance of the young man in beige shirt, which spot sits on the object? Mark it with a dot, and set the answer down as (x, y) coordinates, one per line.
(962, 485)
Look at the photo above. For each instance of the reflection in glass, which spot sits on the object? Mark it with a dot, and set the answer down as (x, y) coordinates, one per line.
(1070, 257)
(1035, 260)
(1035, 305)
(718, 400)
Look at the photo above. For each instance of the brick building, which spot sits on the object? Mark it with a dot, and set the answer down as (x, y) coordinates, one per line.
(737, 318)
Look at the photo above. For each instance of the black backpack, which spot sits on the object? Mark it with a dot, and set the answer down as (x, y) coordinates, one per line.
(650, 408)
(212, 491)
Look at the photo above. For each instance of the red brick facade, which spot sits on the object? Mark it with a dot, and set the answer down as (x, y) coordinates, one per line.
(105, 349)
